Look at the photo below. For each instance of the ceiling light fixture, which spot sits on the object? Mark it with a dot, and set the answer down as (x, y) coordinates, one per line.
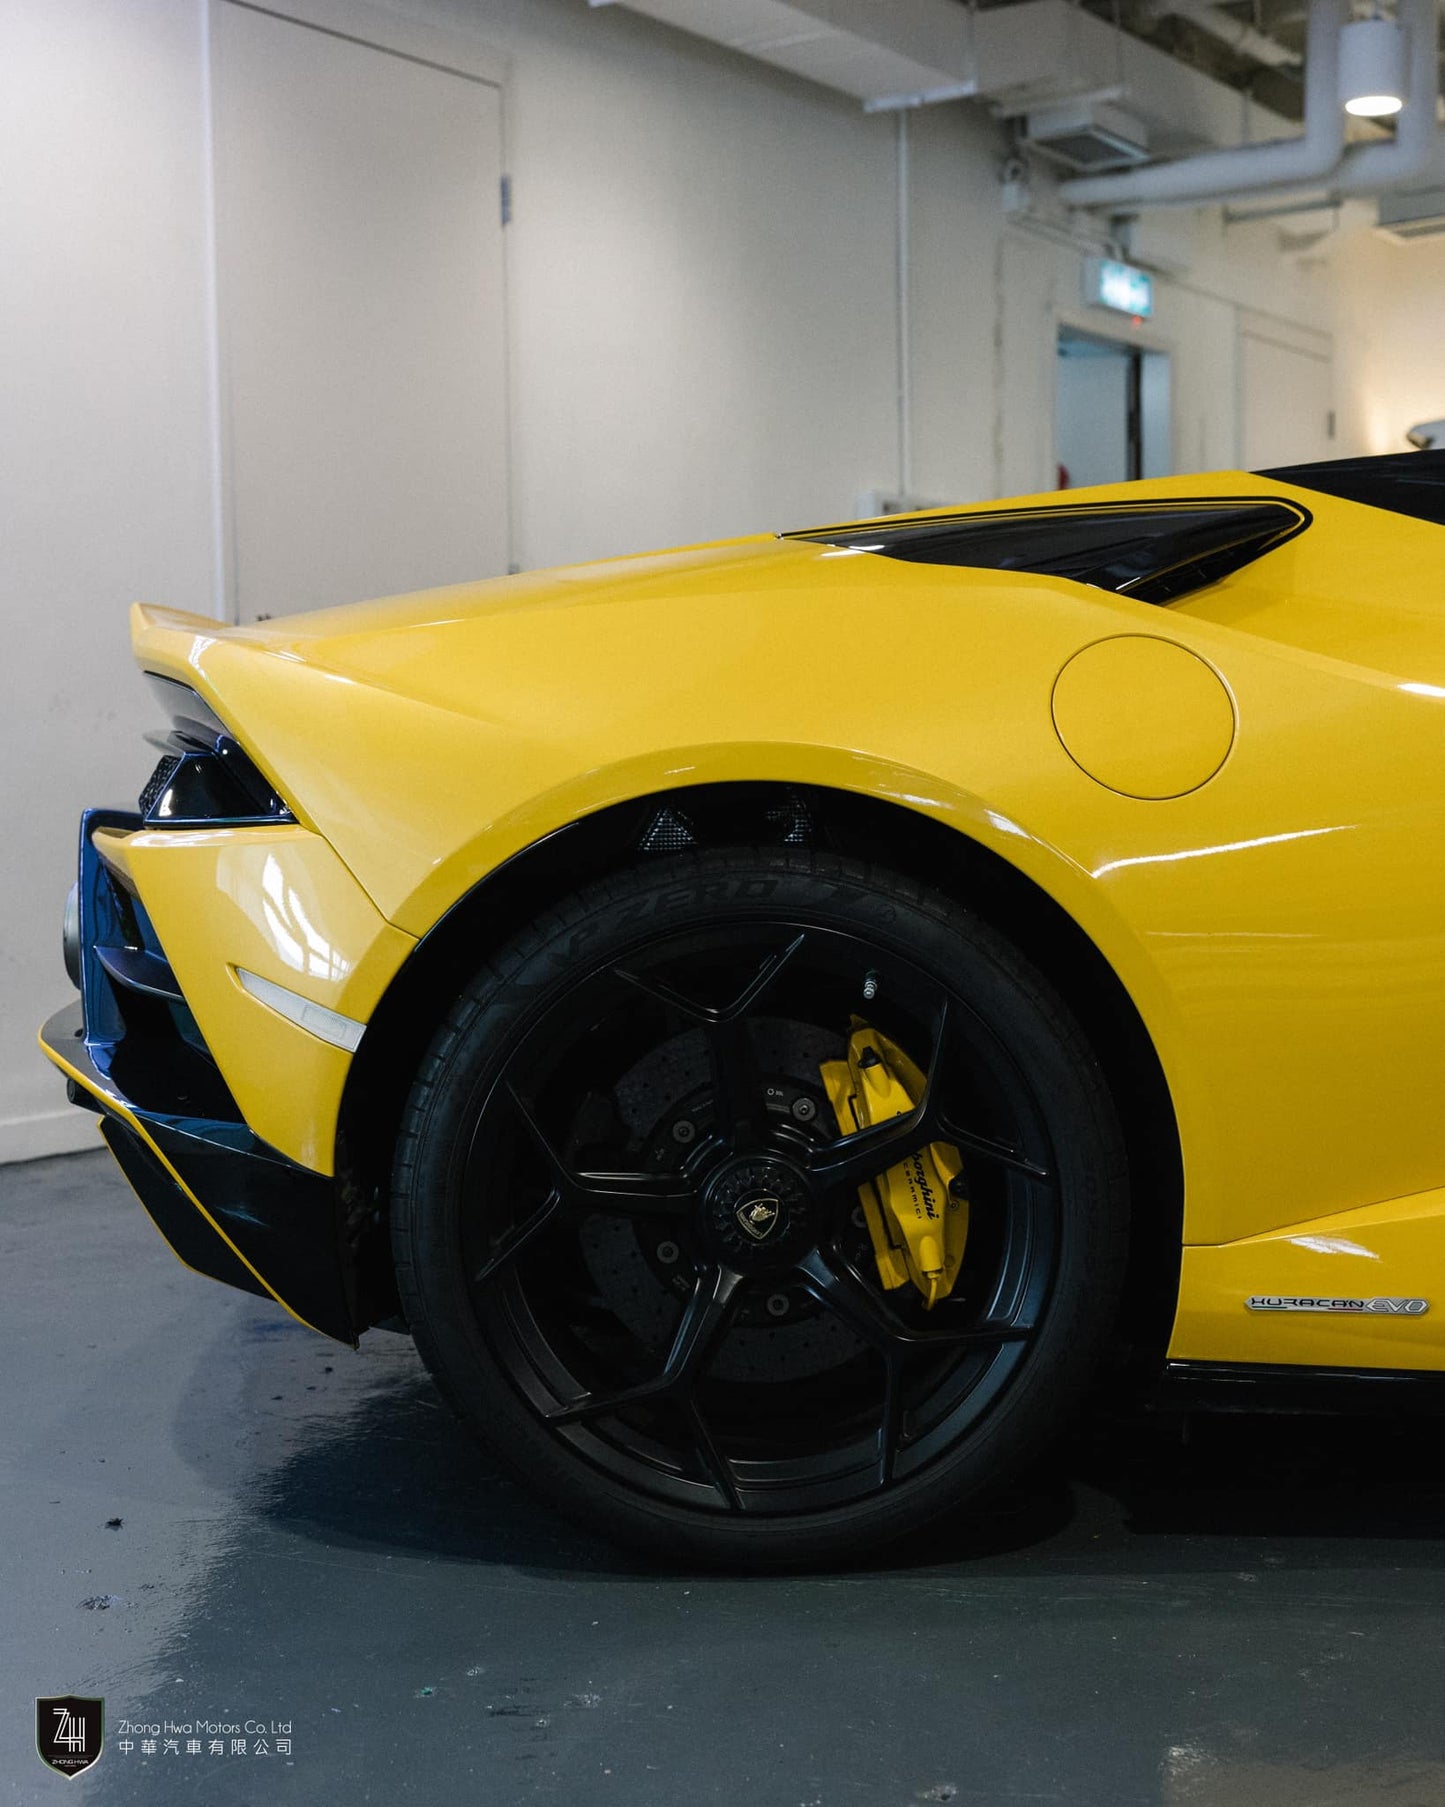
(1372, 68)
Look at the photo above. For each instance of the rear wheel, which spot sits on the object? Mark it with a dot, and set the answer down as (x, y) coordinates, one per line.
(631, 1238)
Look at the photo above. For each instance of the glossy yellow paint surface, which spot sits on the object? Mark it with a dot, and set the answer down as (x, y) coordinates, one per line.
(1390, 1251)
(277, 902)
(1143, 716)
(1280, 926)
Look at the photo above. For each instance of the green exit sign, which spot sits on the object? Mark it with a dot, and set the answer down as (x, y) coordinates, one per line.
(1118, 287)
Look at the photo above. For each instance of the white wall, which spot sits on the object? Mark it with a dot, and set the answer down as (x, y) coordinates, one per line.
(1234, 277)
(1390, 335)
(702, 333)
(105, 454)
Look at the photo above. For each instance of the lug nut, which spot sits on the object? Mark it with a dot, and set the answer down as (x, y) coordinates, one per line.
(870, 986)
(778, 1305)
(804, 1109)
(860, 1222)
(683, 1130)
(667, 1253)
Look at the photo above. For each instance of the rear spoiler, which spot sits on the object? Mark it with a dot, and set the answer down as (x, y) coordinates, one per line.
(166, 641)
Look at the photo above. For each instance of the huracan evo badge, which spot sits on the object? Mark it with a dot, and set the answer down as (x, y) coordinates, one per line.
(759, 1217)
(1384, 1308)
(69, 1732)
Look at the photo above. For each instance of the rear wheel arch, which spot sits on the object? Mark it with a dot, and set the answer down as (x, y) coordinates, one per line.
(914, 845)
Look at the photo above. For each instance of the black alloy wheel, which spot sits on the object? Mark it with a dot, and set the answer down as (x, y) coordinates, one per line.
(628, 1230)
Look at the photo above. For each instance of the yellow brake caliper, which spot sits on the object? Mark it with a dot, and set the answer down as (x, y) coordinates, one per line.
(917, 1222)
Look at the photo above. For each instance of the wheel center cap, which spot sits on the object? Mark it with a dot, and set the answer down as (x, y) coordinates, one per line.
(760, 1215)
(758, 1209)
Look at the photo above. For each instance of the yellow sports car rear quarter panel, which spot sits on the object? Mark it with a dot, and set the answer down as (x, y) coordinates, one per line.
(1240, 800)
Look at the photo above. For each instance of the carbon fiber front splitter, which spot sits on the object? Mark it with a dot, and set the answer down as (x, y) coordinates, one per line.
(229, 1206)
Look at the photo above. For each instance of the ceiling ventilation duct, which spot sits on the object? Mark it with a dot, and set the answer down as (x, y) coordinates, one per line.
(1022, 60)
(1411, 216)
(1088, 136)
(907, 52)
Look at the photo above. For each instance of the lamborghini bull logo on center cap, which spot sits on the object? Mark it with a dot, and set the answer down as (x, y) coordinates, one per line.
(759, 1215)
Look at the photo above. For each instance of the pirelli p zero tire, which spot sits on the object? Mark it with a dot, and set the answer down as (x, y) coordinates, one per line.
(630, 1230)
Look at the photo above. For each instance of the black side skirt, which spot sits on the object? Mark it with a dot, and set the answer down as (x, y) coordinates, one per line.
(1266, 1387)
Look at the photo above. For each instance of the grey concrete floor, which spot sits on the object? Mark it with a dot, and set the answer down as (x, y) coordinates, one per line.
(1254, 1618)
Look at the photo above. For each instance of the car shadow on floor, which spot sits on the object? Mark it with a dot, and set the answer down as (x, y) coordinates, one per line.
(1290, 1477)
(389, 1469)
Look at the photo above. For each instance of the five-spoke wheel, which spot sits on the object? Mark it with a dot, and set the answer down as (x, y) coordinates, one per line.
(631, 1232)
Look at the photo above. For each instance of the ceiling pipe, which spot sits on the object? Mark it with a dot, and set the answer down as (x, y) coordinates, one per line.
(1289, 162)
(1243, 39)
(1415, 151)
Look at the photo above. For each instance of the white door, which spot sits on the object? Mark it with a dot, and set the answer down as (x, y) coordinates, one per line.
(360, 283)
(1285, 403)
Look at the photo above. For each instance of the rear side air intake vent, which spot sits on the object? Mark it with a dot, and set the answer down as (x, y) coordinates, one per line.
(1155, 551)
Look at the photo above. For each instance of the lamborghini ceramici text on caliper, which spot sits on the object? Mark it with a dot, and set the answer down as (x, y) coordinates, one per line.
(917, 1221)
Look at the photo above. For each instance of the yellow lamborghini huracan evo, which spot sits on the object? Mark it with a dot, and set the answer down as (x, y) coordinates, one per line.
(778, 1020)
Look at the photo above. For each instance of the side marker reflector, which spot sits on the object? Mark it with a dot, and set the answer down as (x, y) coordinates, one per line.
(316, 1019)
